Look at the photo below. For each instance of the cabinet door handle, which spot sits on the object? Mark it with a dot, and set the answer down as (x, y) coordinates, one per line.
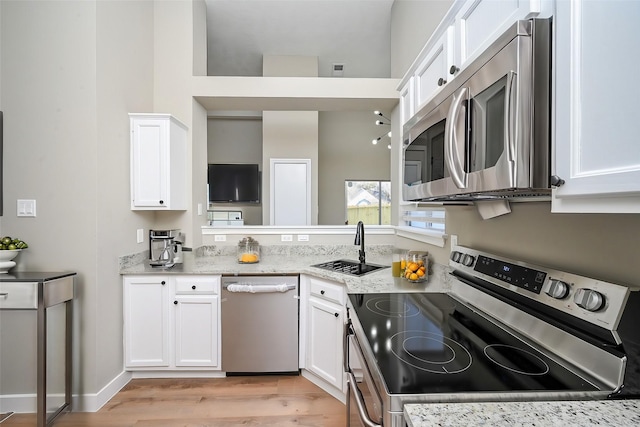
(175, 303)
(162, 202)
(193, 287)
(336, 314)
(321, 292)
(163, 283)
(453, 69)
(441, 81)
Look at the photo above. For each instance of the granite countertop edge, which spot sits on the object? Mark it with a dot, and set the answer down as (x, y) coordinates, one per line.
(208, 260)
(566, 413)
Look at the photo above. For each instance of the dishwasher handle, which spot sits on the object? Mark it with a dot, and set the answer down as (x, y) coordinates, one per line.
(253, 289)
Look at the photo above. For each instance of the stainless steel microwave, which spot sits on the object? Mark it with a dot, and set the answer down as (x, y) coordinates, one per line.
(486, 134)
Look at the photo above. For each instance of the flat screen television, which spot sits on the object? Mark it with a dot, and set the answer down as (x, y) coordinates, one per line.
(234, 183)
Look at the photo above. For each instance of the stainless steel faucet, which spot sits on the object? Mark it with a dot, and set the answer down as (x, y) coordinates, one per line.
(360, 240)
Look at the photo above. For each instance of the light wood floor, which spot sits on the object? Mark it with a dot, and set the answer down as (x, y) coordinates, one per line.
(280, 401)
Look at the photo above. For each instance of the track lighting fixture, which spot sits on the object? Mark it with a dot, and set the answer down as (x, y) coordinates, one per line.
(378, 113)
(382, 123)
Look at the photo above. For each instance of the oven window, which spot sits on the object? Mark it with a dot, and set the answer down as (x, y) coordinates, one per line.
(424, 158)
(487, 126)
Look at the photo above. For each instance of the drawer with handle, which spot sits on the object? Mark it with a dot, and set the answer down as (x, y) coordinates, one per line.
(329, 291)
(197, 285)
(19, 295)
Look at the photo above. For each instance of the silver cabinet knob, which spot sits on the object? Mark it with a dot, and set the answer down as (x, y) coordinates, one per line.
(589, 299)
(558, 289)
(441, 81)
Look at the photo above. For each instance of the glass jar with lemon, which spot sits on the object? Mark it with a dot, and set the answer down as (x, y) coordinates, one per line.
(248, 251)
(416, 266)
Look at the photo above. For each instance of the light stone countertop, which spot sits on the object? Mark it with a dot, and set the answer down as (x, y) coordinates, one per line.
(525, 414)
(299, 260)
(296, 260)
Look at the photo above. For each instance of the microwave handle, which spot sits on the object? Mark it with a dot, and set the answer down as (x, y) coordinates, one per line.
(452, 156)
(509, 117)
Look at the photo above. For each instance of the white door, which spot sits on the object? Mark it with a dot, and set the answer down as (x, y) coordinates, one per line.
(196, 322)
(290, 189)
(146, 325)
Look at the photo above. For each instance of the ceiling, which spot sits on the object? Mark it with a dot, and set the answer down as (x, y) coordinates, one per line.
(355, 33)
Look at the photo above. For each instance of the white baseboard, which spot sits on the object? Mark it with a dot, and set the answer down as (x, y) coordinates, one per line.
(94, 401)
(27, 403)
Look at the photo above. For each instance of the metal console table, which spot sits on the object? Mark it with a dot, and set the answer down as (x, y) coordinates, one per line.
(39, 291)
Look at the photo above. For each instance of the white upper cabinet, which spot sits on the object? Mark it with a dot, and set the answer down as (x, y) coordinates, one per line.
(597, 153)
(433, 72)
(407, 103)
(158, 162)
(468, 28)
(480, 22)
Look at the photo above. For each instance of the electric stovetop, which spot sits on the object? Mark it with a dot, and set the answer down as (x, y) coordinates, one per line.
(431, 343)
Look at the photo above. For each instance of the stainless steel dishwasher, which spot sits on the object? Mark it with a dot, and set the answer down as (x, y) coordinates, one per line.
(259, 324)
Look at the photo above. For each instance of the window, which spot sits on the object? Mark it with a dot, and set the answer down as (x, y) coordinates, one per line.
(368, 201)
(428, 222)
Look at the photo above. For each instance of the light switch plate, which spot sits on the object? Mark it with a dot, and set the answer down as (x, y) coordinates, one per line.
(303, 237)
(140, 235)
(26, 207)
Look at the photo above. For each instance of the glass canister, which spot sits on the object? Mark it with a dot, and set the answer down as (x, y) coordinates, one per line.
(248, 251)
(417, 266)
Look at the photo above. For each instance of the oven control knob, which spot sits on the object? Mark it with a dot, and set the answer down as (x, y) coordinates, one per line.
(468, 260)
(589, 299)
(558, 289)
(455, 256)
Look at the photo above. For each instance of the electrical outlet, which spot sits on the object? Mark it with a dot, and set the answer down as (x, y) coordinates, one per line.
(140, 235)
(303, 237)
(220, 238)
(286, 237)
(199, 208)
(454, 240)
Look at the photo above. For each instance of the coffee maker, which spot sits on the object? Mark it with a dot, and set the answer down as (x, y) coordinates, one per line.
(165, 247)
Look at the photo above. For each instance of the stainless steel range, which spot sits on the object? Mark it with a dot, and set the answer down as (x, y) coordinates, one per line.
(507, 331)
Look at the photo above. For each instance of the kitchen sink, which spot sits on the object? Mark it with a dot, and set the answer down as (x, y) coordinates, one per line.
(353, 268)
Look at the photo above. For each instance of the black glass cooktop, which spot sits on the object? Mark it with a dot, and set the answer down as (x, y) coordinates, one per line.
(430, 343)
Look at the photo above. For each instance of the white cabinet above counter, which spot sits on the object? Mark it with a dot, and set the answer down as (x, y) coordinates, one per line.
(596, 137)
(158, 162)
(466, 30)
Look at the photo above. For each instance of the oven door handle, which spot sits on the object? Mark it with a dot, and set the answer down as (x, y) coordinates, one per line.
(452, 155)
(509, 118)
(357, 396)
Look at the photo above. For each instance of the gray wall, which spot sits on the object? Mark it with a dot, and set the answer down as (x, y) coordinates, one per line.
(345, 152)
(412, 23)
(236, 140)
(342, 137)
(68, 82)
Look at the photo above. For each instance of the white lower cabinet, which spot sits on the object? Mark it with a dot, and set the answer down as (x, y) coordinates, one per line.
(146, 324)
(325, 330)
(172, 322)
